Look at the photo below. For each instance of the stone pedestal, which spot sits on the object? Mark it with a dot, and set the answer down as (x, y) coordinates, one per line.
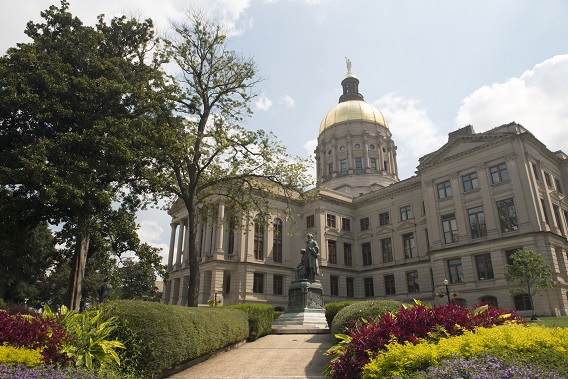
(305, 313)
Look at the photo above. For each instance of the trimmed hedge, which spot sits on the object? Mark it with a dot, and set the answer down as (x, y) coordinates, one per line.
(370, 309)
(331, 309)
(260, 318)
(160, 337)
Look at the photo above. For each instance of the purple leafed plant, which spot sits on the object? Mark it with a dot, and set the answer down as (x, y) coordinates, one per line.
(43, 372)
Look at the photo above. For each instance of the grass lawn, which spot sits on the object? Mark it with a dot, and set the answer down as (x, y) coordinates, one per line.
(561, 321)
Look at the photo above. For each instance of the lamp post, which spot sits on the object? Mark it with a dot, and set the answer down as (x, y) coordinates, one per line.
(447, 289)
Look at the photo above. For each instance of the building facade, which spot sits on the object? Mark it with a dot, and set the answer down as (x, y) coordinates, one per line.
(472, 203)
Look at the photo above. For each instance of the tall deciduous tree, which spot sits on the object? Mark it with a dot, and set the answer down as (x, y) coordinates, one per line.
(72, 102)
(203, 154)
(529, 273)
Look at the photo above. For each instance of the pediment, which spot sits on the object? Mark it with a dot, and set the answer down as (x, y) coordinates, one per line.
(460, 146)
(384, 230)
(423, 222)
(347, 235)
(406, 225)
(365, 235)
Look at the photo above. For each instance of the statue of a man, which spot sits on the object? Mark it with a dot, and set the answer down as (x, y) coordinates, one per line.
(311, 258)
(348, 63)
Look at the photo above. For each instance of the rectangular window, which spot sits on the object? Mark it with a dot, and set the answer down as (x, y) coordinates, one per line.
(558, 185)
(409, 246)
(444, 189)
(470, 182)
(350, 286)
(332, 251)
(386, 249)
(343, 165)
(373, 164)
(369, 287)
(412, 282)
(484, 266)
(334, 285)
(544, 210)
(330, 168)
(258, 240)
(547, 179)
(347, 256)
(258, 283)
(535, 171)
(310, 221)
(507, 215)
(364, 223)
(367, 254)
(330, 219)
(456, 271)
(278, 285)
(232, 236)
(499, 173)
(384, 218)
(405, 213)
(450, 228)
(358, 164)
(346, 224)
(477, 225)
(522, 302)
(558, 218)
(509, 253)
(390, 288)
(277, 240)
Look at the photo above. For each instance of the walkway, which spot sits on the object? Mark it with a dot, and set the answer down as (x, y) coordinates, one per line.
(284, 356)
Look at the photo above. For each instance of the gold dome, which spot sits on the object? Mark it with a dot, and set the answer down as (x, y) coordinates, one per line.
(352, 110)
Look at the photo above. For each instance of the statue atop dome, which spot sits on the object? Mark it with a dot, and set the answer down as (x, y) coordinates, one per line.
(348, 63)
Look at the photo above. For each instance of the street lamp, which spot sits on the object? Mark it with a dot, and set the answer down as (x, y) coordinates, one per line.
(447, 289)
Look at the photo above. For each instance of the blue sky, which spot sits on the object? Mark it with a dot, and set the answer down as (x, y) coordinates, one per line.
(430, 66)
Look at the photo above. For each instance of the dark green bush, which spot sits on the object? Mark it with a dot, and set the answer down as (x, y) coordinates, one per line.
(370, 309)
(332, 308)
(159, 337)
(260, 318)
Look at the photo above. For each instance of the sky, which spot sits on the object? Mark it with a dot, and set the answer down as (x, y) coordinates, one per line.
(431, 67)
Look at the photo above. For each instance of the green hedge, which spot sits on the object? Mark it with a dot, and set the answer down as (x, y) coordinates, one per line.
(160, 337)
(362, 309)
(260, 318)
(332, 308)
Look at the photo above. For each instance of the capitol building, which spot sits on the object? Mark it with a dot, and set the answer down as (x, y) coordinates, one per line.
(471, 204)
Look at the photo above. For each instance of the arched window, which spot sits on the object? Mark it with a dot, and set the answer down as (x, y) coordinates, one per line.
(232, 235)
(489, 300)
(277, 241)
(258, 238)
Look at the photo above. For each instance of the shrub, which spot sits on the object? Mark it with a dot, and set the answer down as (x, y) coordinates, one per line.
(532, 345)
(160, 337)
(20, 356)
(45, 372)
(410, 325)
(367, 310)
(484, 367)
(260, 318)
(37, 332)
(332, 308)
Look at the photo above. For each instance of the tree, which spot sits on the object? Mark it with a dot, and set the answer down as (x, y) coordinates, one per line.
(530, 273)
(201, 153)
(72, 103)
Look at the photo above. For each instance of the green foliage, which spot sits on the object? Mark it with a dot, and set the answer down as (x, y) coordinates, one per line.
(529, 273)
(365, 310)
(159, 337)
(20, 355)
(332, 308)
(545, 347)
(90, 331)
(260, 318)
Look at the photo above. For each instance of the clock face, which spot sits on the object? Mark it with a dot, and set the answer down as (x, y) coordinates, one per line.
(357, 146)
(372, 147)
(342, 148)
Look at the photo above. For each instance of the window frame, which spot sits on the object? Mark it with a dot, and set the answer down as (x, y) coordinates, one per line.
(450, 228)
(406, 213)
(409, 245)
(507, 215)
(384, 218)
(331, 220)
(258, 282)
(477, 214)
(347, 254)
(350, 286)
(343, 165)
(484, 267)
(367, 254)
(455, 270)
(470, 181)
(369, 286)
(278, 285)
(364, 223)
(499, 173)
(386, 250)
(310, 221)
(334, 285)
(277, 240)
(412, 282)
(258, 239)
(444, 190)
(390, 284)
(332, 251)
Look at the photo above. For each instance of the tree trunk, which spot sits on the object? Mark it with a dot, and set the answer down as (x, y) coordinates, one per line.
(193, 288)
(78, 270)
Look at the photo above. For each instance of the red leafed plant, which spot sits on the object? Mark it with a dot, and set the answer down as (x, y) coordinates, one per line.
(411, 324)
(35, 332)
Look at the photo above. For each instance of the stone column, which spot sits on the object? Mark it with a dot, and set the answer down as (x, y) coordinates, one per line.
(186, 244)
(172, 246)
(220, 230)
(180, 243)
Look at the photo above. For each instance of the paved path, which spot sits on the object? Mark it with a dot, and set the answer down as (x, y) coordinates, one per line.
(284, 356)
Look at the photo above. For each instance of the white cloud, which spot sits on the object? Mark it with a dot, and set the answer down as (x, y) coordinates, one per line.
(150, 231)
(536, 100)
(288, 101)
(413, 131)
(263, 103)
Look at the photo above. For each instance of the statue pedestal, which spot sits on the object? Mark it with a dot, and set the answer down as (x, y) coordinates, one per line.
(305, 313)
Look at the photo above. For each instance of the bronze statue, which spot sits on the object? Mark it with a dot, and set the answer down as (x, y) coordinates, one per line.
(309, 265)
